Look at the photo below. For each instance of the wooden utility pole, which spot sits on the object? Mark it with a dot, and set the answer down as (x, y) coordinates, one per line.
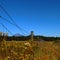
(32, 34)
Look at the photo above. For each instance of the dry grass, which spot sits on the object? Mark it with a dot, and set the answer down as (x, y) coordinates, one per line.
(17, 50)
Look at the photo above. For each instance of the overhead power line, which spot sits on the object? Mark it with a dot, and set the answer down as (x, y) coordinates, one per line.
(3, 2)
(14, 23)
(6, 13)
(6, 20)
(6, 28)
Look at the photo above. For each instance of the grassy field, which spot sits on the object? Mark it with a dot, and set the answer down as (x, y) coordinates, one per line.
(29, 50)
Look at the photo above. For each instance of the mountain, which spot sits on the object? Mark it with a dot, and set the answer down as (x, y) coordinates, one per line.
(17, 35)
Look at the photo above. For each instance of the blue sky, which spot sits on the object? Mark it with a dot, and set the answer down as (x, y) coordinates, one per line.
(41, 16)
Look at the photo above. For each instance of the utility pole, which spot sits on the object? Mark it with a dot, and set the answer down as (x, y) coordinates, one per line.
(32, 34)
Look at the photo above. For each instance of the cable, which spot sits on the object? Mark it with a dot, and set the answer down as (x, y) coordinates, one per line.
(11, 23)
(6, 20)
(6, 28)
(3, 1)
(12, 19)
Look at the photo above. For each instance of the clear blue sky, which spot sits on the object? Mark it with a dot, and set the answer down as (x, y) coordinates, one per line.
(41, 16)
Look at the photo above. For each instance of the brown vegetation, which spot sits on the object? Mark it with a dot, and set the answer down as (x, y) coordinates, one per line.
(29, 50)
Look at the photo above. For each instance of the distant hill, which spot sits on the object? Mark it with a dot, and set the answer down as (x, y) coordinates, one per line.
(17, 35)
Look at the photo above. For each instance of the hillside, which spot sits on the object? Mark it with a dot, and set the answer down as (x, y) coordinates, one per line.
(26, 38)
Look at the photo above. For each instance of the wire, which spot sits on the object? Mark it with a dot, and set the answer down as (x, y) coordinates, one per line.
(6, 28)
(12, 19)
(11, 23)
(6, 12)
(6, 20)
(3, 1)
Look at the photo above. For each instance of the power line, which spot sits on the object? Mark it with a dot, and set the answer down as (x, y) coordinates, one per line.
(3, 1)
(6, 28)
(6, 20)
(11, 23)
(12, 19)
(6, 12)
